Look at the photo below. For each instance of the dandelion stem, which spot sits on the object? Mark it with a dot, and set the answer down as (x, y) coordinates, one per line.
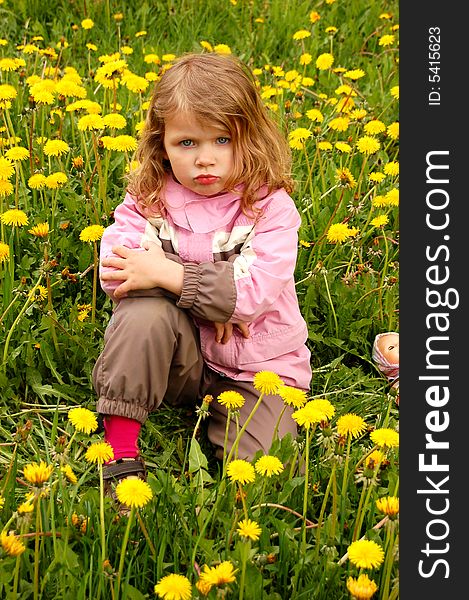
(123, 548)
(243, 428)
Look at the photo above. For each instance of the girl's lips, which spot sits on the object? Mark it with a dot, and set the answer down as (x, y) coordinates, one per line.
(206, 179)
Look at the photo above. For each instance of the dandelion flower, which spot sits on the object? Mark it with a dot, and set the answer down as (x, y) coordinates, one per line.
(90, 122)
(241, 471)
(338, 233)
(389, 505)
(305, 59)
(249, 529)
(387, 40)
(368, 145)
(219, 575)
(7, 92)
(343, 147)
(37, 473)
(314, 16)
(365, 554)
(37, 181)
(324, 145)
(136, 84)
(345, 178)
(374, 127)
(14, 217)
(4, 252)
(11, 544)
(56, 148)
(301, 34)
(395, 92)
(69, 474)
(203, 587)
(351, 424)
(385, 437)
(87, 23)
(222, 49)
(361, 588)
(174, 587)
(376, 177)
(267, 382)
(380, 221)
(38, 294)
(291, 395)
(354, 74)
(231, 399)
(314, 115)
(92, 233)
(99, 452)
(313, 412)
(392, 197)
(268, 465)
(114, 121)
(55, 180)
(83, 419)
(28, 505)
(324, 61)
(124, 143)
(17, 153)
(391, 168)
(6, 168)
(133, 492)
(339, 123)
(206, 45)
(375, 458)
(393, 130)
(6, 188)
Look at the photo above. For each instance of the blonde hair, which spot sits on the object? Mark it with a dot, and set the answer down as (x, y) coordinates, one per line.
(220, 90)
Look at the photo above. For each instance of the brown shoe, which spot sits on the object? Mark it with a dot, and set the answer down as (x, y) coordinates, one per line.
(117, 470)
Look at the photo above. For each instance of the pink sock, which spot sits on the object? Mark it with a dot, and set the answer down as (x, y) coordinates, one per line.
(122, 434)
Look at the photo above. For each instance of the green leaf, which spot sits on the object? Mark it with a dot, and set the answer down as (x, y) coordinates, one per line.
(197, 459)
(46, 354)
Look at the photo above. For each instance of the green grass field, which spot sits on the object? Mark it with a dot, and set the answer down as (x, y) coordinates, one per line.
(326, 526)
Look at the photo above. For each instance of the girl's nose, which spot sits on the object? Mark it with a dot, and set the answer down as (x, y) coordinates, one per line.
(205, 158)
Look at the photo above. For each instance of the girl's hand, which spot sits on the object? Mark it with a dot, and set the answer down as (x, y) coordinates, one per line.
(224, 331)
(142, 270)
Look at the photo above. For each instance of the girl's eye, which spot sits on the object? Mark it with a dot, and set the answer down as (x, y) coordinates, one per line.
(223, 140)
(186, 143)
(391, 348)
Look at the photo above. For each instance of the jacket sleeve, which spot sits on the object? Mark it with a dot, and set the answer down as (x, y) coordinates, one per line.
(248, 284)
(129, 229)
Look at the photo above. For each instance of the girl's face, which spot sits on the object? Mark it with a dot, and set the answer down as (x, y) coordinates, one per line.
(201, 155)
(389, 347)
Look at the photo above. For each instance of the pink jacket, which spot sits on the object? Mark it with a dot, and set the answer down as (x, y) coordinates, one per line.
(236, 268)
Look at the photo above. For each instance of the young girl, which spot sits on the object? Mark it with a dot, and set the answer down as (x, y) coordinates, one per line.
(200, 263)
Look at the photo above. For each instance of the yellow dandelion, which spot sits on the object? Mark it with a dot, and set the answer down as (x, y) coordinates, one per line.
(222, 49)
(38, 294)
(11, 544)
(14, 217)
(136, 84)
(313, 412)
(7, 92)
(92, 233)
(345, 178)
(389, 505)
(174, 587)
(368, 145)
(362, 587)
(27, 506)
(338, 233)
(17, 153)
(392, 197)
(365, 554)
(37, 473)
(374, 127)
(6, 188)
(268, 465)
(206, 45)
(301, 34)
(4, 252)
(114, 121)
(393, 130)
(391, 168)
(90, 122)
(314, 16)
(387, 40)
(305, 59)
(124, 143)
(83, 419)
(324, 145)
(339, 124)
(385, 437)
(133, 492)
(203, 587)
(291, 395)
(358, 113)
(99, 452)
(56, 180)
(267, 382)
(380, 221)
(37, 181)
(343, 147)
(315, 115)
(231, 399)
(395, 92)
(376, 177)
(354, 74)
(375, 458)
(69, 474)
(324, 61)
(56, 148)
(219, 575)
(6, 168)
(87, 23)
(249, 530)
(241, 471)
(351, 424)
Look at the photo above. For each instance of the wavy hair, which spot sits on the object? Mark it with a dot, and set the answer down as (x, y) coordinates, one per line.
(220, 90)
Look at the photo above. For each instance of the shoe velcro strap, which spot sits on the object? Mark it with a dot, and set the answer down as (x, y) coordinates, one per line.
(118, 469)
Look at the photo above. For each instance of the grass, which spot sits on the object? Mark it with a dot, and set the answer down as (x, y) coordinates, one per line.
(53, 315)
